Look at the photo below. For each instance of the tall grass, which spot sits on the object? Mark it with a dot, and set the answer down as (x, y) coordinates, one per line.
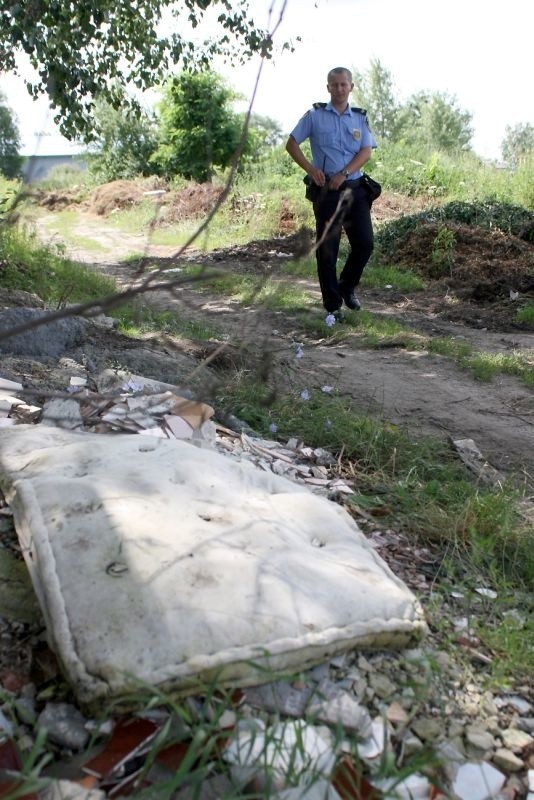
(447, 177)
(26, 264)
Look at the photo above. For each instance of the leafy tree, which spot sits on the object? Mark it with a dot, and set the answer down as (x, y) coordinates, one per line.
(124, 144)
(198, 129)
(264, 135)
(78, 47)
(518, 143)
(374, 92)
(10, 160)
(426, 119)
(435, 120)
(267, 130)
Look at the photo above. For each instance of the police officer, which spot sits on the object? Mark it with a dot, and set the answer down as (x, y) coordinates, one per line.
(341, 143)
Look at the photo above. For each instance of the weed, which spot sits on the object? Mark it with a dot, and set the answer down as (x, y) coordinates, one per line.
(484, 366)
(403, 280)
(509, 633)
(443, 252)
(526, 314)
(136, 318)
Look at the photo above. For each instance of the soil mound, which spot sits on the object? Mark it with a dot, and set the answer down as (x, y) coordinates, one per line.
(115, 196)
(467, 255)
(196, 200)
(58, 200)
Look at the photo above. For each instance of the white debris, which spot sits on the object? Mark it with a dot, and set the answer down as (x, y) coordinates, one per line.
(287, 748)
(483, 592)
(477, 781)
(12, 386)
(376, 743)
(414, 787)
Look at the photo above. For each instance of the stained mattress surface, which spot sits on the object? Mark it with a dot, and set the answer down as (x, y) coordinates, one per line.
(159, 562)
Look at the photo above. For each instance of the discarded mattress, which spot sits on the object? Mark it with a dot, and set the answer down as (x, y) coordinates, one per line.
(158, 562)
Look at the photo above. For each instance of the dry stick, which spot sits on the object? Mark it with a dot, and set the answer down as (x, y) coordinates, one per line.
(98, 306)
(347, 194)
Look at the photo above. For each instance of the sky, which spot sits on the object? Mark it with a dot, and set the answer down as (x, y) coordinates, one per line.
(477, 51)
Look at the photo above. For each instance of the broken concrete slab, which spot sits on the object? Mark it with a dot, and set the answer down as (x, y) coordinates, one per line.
(52, 338)
(63, 413)
(161, 563)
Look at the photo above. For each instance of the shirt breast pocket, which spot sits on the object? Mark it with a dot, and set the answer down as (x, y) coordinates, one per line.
(325, 138)
(353, 137)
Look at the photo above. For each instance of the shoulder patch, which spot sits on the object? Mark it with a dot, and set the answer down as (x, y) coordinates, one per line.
(363, 112)
(319, 105)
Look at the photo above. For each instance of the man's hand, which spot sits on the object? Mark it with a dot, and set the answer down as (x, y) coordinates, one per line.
(317, 176)
(336, 181)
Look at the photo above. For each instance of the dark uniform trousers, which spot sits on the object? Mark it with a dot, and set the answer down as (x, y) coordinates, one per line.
(354, 217)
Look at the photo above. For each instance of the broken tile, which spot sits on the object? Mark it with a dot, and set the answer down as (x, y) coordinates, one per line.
(129, 737)
(10, 762)
(351, 784)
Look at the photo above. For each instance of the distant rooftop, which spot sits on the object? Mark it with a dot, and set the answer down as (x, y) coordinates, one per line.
(51, 146)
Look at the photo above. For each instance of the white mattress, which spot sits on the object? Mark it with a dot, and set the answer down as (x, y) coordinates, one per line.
(159, 562)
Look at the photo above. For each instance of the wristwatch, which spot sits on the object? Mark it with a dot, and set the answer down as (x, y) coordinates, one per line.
(346, 173)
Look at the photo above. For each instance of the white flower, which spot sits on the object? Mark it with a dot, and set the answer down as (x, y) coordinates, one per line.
(273, 427)
(299, 352)
(327, 389)
(330, 320)
(131, 386)
(305, 395)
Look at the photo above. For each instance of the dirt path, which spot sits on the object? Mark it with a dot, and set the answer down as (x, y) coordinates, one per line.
(424, 393)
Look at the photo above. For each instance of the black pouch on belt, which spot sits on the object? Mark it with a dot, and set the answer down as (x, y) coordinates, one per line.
(312, 190)
(372, 187)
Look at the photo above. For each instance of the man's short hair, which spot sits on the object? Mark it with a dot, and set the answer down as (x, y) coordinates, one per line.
(336, 70)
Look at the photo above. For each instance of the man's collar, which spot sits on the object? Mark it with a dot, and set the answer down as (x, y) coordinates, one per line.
(330, 107)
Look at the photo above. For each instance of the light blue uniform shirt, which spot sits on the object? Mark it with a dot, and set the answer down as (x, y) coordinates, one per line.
(334, 138)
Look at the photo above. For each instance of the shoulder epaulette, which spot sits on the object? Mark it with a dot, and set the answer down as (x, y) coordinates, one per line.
(353, 108)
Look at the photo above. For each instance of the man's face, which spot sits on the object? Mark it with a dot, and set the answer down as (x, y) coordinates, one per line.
(339, 88)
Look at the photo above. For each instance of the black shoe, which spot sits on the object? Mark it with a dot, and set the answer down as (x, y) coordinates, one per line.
(339, 315)
(351, 301)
